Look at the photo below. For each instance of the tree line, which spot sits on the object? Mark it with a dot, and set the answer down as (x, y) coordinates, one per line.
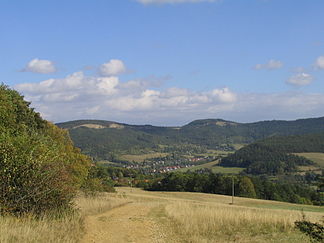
(245, 186)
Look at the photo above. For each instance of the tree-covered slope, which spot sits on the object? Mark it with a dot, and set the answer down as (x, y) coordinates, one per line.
(273, 155)
(99, 138)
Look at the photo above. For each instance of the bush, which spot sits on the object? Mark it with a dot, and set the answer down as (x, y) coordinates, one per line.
(40, 169)
(33, 177)
(97, 181)
(314, 230)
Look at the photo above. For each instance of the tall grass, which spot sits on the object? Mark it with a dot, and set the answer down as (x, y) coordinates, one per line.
(29, 229)
(229, 223)
(99, 203)
(66, 229)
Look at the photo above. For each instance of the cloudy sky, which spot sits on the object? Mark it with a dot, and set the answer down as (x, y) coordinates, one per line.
(165, 62)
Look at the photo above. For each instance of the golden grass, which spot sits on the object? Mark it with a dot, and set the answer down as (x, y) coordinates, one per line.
(216, 169)
(318, 158)
(99, 203)
(28, 229)
(186, 217)
(229, 223)
(68, 229)
(200, 217)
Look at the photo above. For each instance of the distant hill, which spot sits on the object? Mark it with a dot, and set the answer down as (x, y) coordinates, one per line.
(99, 138)
(274, 155)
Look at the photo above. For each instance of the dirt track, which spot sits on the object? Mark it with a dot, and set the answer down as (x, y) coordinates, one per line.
(129, 223)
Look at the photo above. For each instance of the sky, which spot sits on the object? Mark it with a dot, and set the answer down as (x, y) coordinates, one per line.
(165, 62)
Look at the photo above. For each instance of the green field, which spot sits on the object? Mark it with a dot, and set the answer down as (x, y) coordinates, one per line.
(139, 158)
(318, 158)
(107, 163)
(216, 169)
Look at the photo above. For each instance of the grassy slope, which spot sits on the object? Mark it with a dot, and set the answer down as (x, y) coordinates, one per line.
(212, 219)
(140, 158)
(318, 158)
(68, 229)
(216, 169)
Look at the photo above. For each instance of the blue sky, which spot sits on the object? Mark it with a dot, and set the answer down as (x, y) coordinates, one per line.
(165, 62)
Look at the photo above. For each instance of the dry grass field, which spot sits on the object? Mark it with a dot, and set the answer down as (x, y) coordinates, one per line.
(318, 158)
(134, 215)
(216, 169)
(68, 229)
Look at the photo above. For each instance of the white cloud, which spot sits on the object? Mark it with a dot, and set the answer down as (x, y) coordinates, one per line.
(319, 64)
(107, 85)
(300, 79)
(112, 68)
(224, 95)
(40, 66)
(270, 65)
(78, 96)
(173, 1)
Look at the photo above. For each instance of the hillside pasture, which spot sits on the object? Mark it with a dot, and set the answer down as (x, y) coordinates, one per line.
(134, 215)
(69, 228)
(214, 168)
(199, 217)
(318, 158)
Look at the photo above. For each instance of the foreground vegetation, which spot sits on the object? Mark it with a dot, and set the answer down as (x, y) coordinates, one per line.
(68, 227)
(198, 217)
(212, 219)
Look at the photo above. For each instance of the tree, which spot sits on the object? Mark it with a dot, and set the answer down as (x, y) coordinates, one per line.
(246, 187)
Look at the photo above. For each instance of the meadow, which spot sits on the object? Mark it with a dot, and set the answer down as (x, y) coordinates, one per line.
(214, 168)
(142, 157)
(68, 228)
(318, 158)
(134, 215)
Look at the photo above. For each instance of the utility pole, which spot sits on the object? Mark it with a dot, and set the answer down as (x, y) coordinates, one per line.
(232, 189)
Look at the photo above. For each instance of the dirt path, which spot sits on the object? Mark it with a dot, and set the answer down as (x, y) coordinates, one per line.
(128, 223)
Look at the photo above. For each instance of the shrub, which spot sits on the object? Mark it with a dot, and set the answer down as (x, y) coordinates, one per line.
(314, 230)
(32, 177)
(40, 169)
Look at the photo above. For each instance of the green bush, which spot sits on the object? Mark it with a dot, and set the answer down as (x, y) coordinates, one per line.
(33, 177)
(314, 230)
(97, 181)
(40, 169)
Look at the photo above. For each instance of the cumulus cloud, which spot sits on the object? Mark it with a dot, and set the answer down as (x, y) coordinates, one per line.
(112, 68)
(300, 79)
(224, 95)
(78, 96)
(173, 1)
(270, 65)
(319, 64)
(40, 66)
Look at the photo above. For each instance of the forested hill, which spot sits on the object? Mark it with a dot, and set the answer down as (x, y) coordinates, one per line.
(98, 138)
(273, 155)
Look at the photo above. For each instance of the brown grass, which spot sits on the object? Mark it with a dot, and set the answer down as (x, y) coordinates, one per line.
(67, 229)
(199, 217)
(220, 223)
(318, 158)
